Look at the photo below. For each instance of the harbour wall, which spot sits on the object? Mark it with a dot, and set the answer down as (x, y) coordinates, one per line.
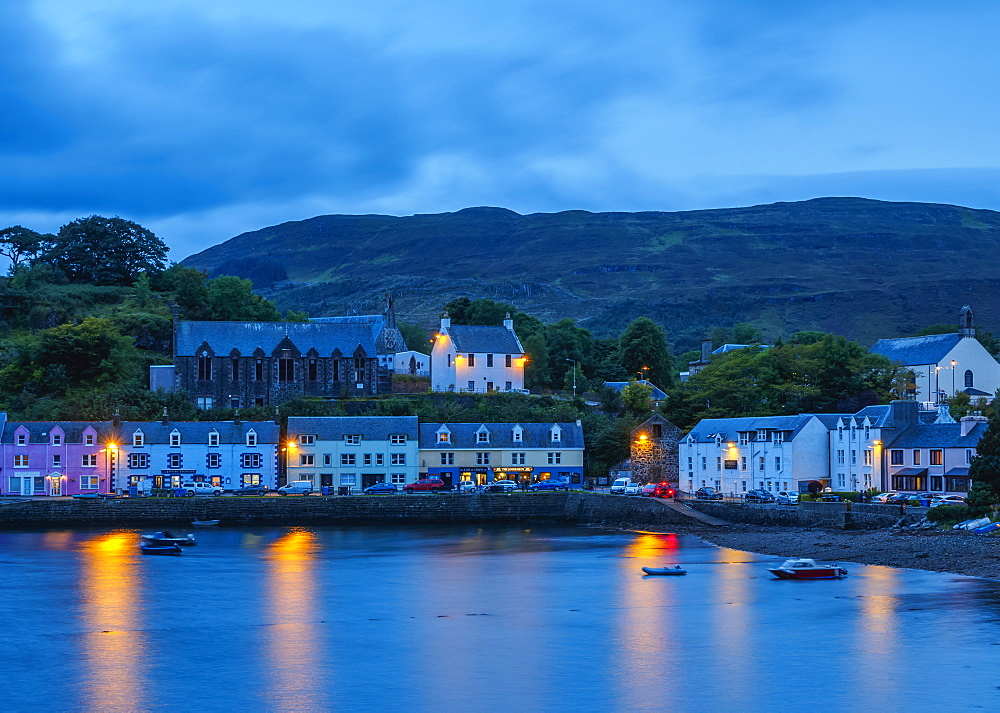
(863, 516)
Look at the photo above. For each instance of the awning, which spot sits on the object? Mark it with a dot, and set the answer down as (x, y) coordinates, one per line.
(911, 471)
(957, 473)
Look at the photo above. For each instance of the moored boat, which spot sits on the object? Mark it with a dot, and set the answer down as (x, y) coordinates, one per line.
(164, 538)
(160, 549)
(676, 570)
(205, 523)
(803, 568)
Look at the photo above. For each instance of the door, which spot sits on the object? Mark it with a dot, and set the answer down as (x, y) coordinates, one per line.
(55, 485)
(369, 479)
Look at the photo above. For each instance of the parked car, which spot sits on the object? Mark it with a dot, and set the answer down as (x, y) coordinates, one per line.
(465, 486)
(251, 490)
(619, 485)
(657, 490)
(382, 489)
(296, 487)
(425, 485)
(200, 488)
(550, 484)
(504, 486)
(758, 496)
(947, 500)
(883, 497)
(647, 489)
(900, 498)
(707, 493)
(786, 498)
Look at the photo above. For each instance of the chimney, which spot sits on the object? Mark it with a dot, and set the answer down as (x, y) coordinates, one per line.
(445, 321)
(903, 413)
(236, 418)
(706, 349)
(508, 322)
(970, 422)
(116, 421)
(277, 417)
(165, 419)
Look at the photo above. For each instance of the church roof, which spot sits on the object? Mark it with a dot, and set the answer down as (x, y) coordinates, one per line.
(343, 333)
(915, 351)
(479, 338)
(657, 394)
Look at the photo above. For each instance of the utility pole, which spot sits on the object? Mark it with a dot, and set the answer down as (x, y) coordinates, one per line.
(574, 376)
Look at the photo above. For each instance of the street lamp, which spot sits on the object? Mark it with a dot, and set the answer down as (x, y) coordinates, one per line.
(574, 376)
(953, 365)
(641, 374)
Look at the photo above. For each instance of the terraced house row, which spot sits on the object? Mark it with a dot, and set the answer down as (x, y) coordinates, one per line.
(78, 457)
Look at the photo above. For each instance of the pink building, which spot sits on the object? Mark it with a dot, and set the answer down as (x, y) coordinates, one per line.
(56, 457)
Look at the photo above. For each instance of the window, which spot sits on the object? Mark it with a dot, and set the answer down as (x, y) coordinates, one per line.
(854, 457)
(840, 433)
(88, 439)
(744, 439)
(251, 460)
(517, 458)
(56, 460)
(518, 436)
(352, 440)
(213, 438)
(258, 370)
(175, 438)
(937, 456)
(690, 463)
(22, 439)
(250, 478)
(251, 438)
(507, 361)
(968, 378)
(328, 459)
(761, 434)
(336, 370)
(481, 458)
(89, 460)
(895, 457)
(366, 459)
(868, 432)
(138, 439)
(309, 459)
(21, 461)
(743, 462)
(234, 369)
(760, 463)
(56, 439)
(175, 460)
(348, 459)
(916, 457)
(444, 437)
(840, 457)
(472, 386)
(489, 386)
(449, 361)
(204, 403)
(868, 456)
(88, 482)
(397, 478)
(397, 439)
(447, 459)
(777, 462)
(777, 438)
(397, 459)
(135, 460)
(313, 372)
(348, 478)
(554, 458)
(214, 460)
(286, 369)
(483, 437)
(204, 368)
(489, 360)
(508, 385)
(379, 459)
(307, 439)
(703, 463)
(968, 455)
(472, 360)
(556, 436)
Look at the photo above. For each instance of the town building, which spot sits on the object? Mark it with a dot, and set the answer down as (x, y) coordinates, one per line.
(351, 453)
(477, 359)
(942, 365)
(484, 452)
(55, 457)
(774, 453)
(656, 395)
(412, 363)
(654, 450)
(705, 358)
(166, 454)
(243, 364)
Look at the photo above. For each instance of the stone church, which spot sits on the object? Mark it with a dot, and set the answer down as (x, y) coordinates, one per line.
(243, 364)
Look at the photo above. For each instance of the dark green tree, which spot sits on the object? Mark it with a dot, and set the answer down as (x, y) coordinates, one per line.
(643, 350)
(416, 337)
(105, 251)
(233, 299)
(18, 244)
(985, 466)
(187, 287)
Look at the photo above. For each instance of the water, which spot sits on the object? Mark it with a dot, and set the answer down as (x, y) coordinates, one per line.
(476, 619)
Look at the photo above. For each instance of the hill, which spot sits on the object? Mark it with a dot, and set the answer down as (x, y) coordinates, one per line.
(858, 267)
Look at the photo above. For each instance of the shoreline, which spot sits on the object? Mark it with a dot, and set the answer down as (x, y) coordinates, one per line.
(947, 551)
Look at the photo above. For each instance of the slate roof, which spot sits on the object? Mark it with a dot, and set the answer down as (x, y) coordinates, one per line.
(657, 393)
(733, 347)
(484, 339)
(938, 435)
(346, 334)
(197, 431)
(915, 351)
(535, 435)
(704, 431)
(370, 428)
(38, 431)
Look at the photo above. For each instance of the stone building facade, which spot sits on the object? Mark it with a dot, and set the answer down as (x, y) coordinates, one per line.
(654, 451)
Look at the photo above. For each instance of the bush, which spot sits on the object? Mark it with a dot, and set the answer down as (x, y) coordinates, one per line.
(952, 514)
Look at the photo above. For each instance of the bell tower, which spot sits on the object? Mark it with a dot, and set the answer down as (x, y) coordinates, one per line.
(965, 326)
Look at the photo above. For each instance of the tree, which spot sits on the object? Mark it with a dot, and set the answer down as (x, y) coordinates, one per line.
(18, 243)
(985, 466)
(105, 251)
(233, 299)
(636, 396)
(746, 333)
(415, 336)
(536, 371)
(189, 288)
(643, 349)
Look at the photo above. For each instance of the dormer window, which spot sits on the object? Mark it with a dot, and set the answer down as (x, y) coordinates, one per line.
(213, 438)
(444, 437)
(761, 434)
(777, 438)
(88, 439)
(307, 439)
(251, 438)
(138, 439)
(744, 439)
(22, 439)
(518, 435)
(57, 439)
(482, 437)
(175, 438)
(353, 439)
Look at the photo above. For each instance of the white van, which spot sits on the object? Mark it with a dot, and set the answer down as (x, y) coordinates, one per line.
(618, 487)
(296, 487)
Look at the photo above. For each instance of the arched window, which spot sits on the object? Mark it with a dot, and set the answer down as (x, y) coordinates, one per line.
(968, 378)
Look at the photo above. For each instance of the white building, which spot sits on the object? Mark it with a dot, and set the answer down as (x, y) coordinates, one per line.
(352, 452)
(945, 364)
(478, 359)
(765, 452)
(412, 363)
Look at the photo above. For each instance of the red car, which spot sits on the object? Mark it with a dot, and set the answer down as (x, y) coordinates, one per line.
(427, 485)
(657, 490)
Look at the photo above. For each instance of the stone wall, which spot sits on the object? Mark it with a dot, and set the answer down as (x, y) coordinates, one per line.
(811, 514)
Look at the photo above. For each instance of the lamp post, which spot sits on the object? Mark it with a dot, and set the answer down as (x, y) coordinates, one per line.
(953, 365)
(574, 376)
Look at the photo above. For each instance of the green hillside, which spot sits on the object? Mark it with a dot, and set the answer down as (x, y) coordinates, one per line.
(863, 268)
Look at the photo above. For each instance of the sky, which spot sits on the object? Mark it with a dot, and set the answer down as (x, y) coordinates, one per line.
(202, 119)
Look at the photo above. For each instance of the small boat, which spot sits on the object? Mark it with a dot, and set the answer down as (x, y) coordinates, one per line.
(676, 570)
(160, 549)
(972, 524)
(164, 538)
(205, 523)
(992, 527)
(802, 568)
